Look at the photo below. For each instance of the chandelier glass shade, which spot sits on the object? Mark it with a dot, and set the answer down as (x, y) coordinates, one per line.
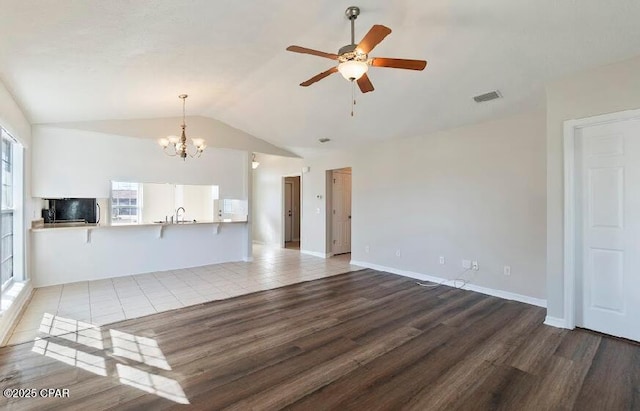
(175, 146)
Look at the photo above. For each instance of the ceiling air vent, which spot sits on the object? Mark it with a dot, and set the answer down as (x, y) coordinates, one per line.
(492, 95)
(324, 140)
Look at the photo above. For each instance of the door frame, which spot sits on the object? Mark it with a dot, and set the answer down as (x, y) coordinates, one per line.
(570, 207)
(329, 209)
(282, 208)
(285, 233)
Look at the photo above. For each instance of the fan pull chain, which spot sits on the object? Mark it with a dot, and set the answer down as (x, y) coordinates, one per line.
(353, 97)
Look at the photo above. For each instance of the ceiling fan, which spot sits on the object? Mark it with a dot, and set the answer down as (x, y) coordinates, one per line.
(353, 59)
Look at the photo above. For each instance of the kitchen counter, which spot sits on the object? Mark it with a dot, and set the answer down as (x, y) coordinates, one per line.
(66, 254)
(85, 226)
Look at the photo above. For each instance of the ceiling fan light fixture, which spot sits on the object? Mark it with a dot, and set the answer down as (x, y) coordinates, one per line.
(352, 70)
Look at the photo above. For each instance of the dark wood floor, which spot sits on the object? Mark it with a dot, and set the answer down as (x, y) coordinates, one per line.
(363, 341)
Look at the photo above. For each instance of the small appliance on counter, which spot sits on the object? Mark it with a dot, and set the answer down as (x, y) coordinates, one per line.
(72, 210)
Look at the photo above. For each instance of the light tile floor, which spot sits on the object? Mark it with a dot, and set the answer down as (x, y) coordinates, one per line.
(105, 301)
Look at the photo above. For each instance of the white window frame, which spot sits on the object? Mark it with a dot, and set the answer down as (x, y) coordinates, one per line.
(17, 208)
(138, 204)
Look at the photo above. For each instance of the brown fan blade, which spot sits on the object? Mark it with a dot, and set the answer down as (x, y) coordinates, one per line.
(365, 84)
(304, 50)
(319, 77)
(399, 63)
(377, 33)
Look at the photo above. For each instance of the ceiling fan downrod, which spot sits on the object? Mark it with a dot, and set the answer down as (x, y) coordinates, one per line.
(352, 14)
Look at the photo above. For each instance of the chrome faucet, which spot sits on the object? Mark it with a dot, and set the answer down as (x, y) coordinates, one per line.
(178, 214)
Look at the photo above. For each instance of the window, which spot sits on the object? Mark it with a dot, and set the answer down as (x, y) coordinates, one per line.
(11, 243)
(126, 206)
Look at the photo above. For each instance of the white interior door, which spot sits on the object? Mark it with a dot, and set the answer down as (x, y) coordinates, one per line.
(288, 211)
(341, 217)
(608, 252)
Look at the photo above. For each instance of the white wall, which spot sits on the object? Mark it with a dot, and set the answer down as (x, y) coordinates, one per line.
(216, 133)
(607, 89)
(158, 202)
(76, 163)
(267, 208)
(12, 117)
(197, 201)
(475, 193)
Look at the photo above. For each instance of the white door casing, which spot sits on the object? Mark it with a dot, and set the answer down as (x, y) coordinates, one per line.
(296, 198)
(288, 211)
(607, 213)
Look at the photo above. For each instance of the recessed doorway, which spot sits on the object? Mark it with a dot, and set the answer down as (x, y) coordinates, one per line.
(292, 201)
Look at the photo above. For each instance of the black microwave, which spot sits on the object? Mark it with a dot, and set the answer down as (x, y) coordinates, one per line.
(84, 210)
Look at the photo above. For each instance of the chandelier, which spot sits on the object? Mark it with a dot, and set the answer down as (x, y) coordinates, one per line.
(175, 146)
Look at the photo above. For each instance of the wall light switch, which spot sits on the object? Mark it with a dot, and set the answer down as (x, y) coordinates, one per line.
(441, 260)
(398, 253)
(474, 266)
(317, 210)
(507, 270)
(366, 249)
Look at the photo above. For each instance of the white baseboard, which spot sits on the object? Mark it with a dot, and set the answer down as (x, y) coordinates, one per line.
(556, 322)
(450, 283)
(315, 254)
(507, 295)
(10, 316)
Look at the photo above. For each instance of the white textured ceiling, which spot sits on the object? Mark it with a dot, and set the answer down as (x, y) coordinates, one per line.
(85, 60)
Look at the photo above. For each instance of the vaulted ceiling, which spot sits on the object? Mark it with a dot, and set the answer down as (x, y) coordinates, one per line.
(72, 60)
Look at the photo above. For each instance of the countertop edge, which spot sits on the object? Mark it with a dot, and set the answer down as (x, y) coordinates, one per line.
(145, 225)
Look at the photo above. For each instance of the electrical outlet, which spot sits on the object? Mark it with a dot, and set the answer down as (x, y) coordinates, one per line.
(441, 260)
(474, 266)
(366, 249)
(507, 270)
(398, 253)
(466, 263)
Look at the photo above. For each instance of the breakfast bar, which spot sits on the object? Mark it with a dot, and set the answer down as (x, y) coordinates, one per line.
(89, 252)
